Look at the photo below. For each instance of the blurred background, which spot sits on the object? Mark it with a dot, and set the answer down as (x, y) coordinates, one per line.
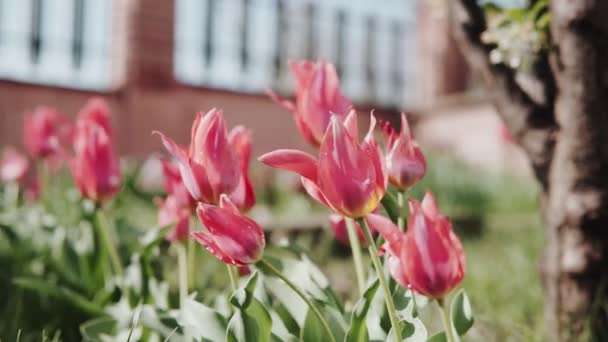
(158, 62)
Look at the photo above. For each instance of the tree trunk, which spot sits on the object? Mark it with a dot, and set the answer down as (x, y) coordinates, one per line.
(563, 127)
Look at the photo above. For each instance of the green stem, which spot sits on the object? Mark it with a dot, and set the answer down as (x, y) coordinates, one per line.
(445, 319)
(388, 298)
(43, 181)
(401, 219)
(191, 263)
(104, 231)
(234, 278)
(356, 249)
(182, 265)
(295, 289)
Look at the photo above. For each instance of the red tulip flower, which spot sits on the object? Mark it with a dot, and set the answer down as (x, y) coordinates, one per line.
(232, 237)
(175, 187)
(13, 165)
(210, 167)
(171, 211)
(318, 96)
(428, 257)
(404, 161)
(243, 195)
(348, 177)
(96, 110)
(44, 131)
(95, 168)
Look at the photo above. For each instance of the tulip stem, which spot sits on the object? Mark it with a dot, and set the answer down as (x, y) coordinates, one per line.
(233, 277)
(191, 263)
(400, 202)
(104, 231)
(182, 265)
(388, 298)
(445, 319)
(356, 249)
(295, 289)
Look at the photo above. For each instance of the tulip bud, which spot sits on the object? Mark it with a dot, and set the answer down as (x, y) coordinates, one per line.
(96, 110)
(429, 257)
(211, 167)
(432, 255)
(171, 212)
(405, 162)
(232, 237)
(318, 96)
(44, 131)
(349, 177)
(13, 165)
(95, 168)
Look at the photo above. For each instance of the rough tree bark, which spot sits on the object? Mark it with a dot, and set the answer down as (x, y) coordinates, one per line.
(561, 122)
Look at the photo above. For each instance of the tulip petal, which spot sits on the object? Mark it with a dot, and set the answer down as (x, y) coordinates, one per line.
(225, 203)
(429, 205)
(299, 162)
(388, 230)
(206, 240)
(313, 191)
(234, 234)
(183, 164)
(289, 105)
(373, 150)
(351, 125)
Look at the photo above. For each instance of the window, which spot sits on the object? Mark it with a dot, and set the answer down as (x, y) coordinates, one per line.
(244, 45)
(62, 43)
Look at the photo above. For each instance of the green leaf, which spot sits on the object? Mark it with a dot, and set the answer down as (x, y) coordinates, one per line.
(389, 202)
(412, 328)
(438, 337)
(251, 321)
(313, 330)
(94, 329)
(60, 293)
(200, 321)
(461, 312)
(357, 331)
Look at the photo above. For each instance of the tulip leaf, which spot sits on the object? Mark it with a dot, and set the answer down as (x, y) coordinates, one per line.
(357, 331)
(389, 202)
(461, 312)
(200, 321)
(313, 330)
(96, 329)
(60, 293)
(251, 321)
(438, 337)
(412, 328)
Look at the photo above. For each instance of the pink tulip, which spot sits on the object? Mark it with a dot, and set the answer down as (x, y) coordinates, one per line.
(243, 195)
(95, 168)
(171, 211)
(210, 167)
(13, 165)
(428, 257)
(318, 96)
(174, 186)
(96, 110)
(44, 132)
(349, 177)
(231, 237)
(405, 162)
